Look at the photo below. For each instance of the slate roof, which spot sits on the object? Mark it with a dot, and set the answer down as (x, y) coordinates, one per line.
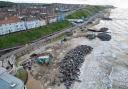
(8, 81)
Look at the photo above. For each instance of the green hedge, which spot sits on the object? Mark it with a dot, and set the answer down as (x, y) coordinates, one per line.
(30, 35)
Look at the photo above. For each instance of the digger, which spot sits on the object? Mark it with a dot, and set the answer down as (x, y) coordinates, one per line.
(42, 58)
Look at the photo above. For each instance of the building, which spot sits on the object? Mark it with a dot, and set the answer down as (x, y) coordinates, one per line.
(24, 18)
(14, 25)
(10, 19)
(8, 81)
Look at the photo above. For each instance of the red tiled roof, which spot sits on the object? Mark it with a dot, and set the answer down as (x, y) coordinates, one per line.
(8, 20)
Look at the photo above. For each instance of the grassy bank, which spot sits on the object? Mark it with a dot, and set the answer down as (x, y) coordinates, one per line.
(30, 35)
(22, 74)
(86, 12)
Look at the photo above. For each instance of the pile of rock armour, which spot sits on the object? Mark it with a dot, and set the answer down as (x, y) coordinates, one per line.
(104, 36)
(104, 29)
(91, 36)
(69, 67)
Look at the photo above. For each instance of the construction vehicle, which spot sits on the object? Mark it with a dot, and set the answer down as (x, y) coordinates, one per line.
(42, 58)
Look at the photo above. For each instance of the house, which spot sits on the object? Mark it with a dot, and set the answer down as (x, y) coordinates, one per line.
(14, 25)
(8, 81)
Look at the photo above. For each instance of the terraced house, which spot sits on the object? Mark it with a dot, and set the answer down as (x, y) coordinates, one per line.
(14, 24)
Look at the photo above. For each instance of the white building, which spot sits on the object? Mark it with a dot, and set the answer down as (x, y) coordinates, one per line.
(1, 30)
(20, 26)
(43, 22)
(52, 20)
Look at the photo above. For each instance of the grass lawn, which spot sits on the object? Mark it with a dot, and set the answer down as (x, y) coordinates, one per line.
(30, 35)
(86, 12)
(22, 74)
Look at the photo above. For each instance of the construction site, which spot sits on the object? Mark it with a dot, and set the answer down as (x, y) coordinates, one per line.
(93, 56)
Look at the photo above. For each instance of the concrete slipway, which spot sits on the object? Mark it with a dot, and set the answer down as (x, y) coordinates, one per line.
(107, 66)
